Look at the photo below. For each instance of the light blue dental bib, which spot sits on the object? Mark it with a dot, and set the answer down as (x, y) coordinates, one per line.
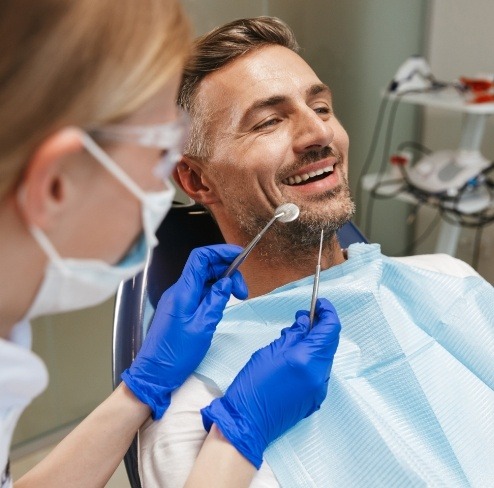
(411, 396)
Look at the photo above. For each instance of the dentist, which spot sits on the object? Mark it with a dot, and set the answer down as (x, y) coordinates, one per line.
(89, 133)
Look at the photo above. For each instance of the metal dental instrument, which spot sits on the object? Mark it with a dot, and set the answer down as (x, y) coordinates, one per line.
(315, 288)
(286, 212)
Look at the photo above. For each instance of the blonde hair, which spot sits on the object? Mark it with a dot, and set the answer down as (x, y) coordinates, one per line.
(80, 62)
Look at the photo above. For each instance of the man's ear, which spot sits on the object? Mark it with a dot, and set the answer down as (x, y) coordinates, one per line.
(43, 188)
(191, 179)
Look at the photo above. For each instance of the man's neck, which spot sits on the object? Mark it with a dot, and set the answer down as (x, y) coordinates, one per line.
(263, 274)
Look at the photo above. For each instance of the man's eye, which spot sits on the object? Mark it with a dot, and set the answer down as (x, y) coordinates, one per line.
(266, 124)
(322, 110)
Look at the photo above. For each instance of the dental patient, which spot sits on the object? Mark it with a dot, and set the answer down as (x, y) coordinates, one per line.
(410, 401)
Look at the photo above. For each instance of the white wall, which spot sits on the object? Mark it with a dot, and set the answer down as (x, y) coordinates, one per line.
(460, 43)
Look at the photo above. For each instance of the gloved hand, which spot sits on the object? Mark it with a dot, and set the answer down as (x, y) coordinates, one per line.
(183, 326)
(281, 384)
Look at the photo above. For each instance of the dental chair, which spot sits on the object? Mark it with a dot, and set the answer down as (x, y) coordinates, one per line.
(184, 228)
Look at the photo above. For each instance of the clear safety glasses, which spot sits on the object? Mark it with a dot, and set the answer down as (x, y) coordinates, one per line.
(169, 137)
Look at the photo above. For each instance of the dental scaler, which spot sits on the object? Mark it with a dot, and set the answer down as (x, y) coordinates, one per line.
(287, 212)
(315, 288)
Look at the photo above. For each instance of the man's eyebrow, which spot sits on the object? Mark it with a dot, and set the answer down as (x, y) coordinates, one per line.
(318, 88)
(263, 103)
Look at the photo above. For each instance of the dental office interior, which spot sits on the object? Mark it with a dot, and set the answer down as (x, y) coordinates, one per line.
(357, 47)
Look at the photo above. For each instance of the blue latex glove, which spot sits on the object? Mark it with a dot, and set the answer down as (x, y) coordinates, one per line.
(281, 384)
(183, 326)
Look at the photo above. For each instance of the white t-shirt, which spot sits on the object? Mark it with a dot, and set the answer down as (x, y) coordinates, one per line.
(169, 447)
(23, 376)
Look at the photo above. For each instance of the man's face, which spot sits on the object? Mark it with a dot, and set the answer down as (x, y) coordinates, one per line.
(276, 140)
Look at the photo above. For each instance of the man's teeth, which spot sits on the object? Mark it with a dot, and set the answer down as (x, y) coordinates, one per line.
(293, 180)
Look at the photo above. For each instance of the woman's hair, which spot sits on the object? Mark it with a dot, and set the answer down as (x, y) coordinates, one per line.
(216, 49)
(81, 63)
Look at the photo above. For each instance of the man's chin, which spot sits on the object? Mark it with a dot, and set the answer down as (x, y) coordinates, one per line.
(332, 212)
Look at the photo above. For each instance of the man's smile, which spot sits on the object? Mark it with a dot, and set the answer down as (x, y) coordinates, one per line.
(316, 177)
(309, 176)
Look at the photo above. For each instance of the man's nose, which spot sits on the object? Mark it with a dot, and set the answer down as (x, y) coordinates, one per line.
(312, 132)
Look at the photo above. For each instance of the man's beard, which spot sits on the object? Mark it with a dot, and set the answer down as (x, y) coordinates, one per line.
(285, 241)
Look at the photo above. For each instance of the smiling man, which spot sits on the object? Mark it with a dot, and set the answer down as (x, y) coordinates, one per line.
(264, 134)
(400, 408)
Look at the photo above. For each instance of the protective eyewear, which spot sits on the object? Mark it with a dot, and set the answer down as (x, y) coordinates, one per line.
(169, 137)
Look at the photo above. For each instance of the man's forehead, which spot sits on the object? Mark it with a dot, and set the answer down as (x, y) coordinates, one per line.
(266, 73)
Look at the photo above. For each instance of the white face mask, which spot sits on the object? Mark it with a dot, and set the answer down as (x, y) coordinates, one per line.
(71, 284)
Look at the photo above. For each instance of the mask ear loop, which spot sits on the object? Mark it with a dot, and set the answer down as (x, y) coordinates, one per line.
(147, 199)
(112, 167)
(40, 237)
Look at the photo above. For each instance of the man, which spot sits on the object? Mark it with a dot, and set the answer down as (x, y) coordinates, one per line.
(410, 401)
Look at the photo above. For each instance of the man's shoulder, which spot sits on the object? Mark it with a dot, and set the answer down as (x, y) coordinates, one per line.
(441, 263)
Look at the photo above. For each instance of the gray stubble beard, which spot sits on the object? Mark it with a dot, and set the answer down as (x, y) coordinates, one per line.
(295, 242)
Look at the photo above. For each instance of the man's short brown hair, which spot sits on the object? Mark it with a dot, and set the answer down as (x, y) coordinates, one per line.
(215, 50)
